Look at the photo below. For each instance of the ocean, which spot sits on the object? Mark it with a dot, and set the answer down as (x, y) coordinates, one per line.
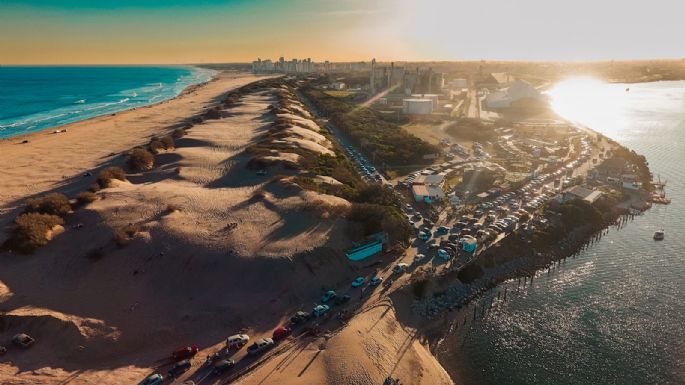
(36, 98)
(614, 314)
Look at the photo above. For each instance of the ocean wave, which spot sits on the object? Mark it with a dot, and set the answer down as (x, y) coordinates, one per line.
(80, 109)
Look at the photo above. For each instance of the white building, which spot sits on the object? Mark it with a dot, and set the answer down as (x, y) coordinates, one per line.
(432, 97)
(516, 91)
(582, 193)
(428, 188)
(417, 106)
(458, 84)
(337, 86)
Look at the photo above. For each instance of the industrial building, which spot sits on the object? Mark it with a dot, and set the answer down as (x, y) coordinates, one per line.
(432, 97)
(417, 106)
(400, 80)
(518, 90)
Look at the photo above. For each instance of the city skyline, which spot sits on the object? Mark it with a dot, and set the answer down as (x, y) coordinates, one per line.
(213, 31)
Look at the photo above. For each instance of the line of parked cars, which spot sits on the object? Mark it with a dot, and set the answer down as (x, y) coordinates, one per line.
(366, 169)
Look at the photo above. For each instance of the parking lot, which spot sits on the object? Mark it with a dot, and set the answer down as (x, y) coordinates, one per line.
(449, 243)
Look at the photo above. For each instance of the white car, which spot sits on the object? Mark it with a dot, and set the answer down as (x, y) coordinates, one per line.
(237, 341)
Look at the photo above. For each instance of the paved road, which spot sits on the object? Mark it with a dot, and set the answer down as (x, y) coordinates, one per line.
(341, 138)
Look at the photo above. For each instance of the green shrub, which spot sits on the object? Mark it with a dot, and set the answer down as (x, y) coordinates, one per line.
(54, 204)
(375, 218)
(141, 159)
(31, 231)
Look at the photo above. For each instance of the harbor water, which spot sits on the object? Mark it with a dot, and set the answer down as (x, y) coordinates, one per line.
(614, 313)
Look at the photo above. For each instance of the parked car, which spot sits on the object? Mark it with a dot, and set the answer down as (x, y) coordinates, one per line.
(153, 379)
(260, 346)
(23, 340)
(339, 300)
(359, 281)
(329, 295)
(185, 353)
(400, 268)
(281, 333)
(375, 281)
(442, 253)
(299, 317)
(419, 258)
(320, 310)
(179, 368)
(222, 366)
(237, 341)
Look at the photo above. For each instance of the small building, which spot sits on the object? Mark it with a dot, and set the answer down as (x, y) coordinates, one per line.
(372, 246)
(432, 97)
(427, 193)
(337, 86)
(434, 179)
(428, 188)
(582, 193)
(417, 106)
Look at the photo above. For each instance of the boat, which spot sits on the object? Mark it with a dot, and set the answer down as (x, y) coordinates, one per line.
(659, 195)
(659, 235)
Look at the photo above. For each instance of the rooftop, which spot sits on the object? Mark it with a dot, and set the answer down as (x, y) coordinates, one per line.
(435, 179)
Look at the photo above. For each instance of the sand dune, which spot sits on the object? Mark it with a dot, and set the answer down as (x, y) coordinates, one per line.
(217, 248)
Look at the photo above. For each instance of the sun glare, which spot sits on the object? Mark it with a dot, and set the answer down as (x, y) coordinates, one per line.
(589, 101)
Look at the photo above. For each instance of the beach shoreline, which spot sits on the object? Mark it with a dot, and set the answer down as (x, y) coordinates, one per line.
(53, 129)
(62, 153)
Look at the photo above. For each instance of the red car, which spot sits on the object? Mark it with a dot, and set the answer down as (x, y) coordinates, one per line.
(281, 333)
(185, 353)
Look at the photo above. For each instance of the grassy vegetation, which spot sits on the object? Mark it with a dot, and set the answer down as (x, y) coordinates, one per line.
(107, 175)
(157, 145)
(86, 197)
(53, 204)
(140, 159)
(31, 231)
(339, 93)
(471, 129)
(123, 236)
(387, 142)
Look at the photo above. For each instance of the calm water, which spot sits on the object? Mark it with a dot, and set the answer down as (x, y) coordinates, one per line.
(616, 313)
(35, 98)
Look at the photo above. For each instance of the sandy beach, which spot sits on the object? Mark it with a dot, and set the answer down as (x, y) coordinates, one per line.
(50, 160)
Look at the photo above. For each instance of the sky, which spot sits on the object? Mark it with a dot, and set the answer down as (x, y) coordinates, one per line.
(213, 31)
